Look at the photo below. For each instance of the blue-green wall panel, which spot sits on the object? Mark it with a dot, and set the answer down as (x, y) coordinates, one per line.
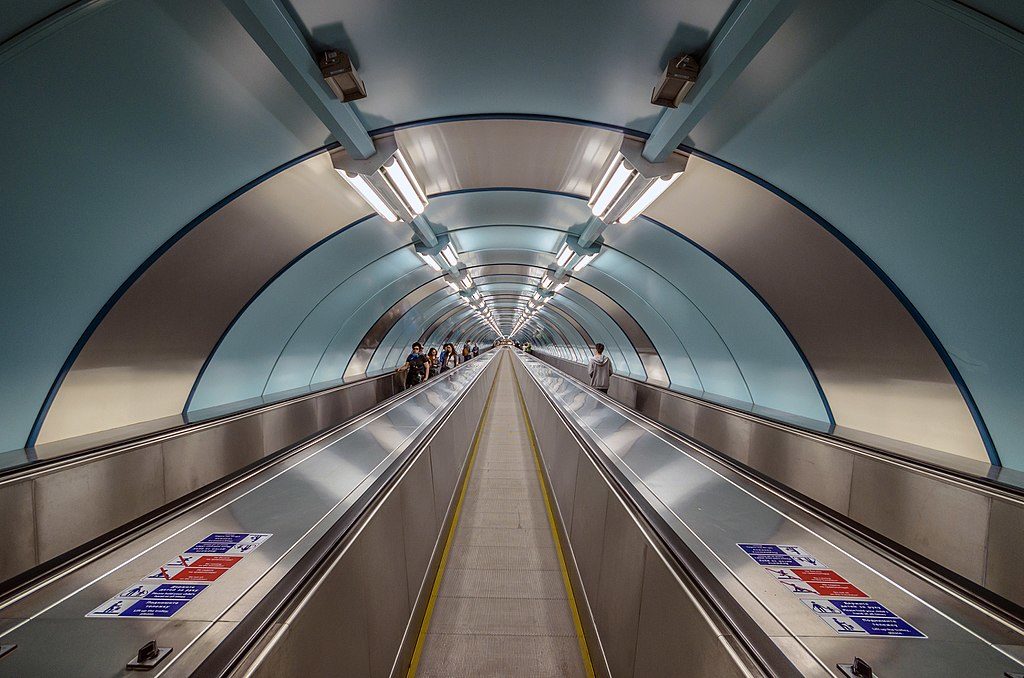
(901, 124)
(241, 365)
(146, 118)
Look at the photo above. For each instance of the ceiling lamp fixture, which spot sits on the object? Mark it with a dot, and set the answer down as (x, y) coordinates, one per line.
(582, 263)
(564, 254)
(384, 180)
(448, 252)
(630, 183)
(429, 261)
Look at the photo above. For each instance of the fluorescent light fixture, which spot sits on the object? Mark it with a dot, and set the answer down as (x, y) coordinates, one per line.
(536, 296)
(449, 255)
(631, 183)
(610, 187)
(384, 180)
(559, 287)
(429, 261)
(404, 182)
(564, 254)
(545, 282)
(452, 285)
(467, 282)
(369, 194)
(649, 195)
(583, 262)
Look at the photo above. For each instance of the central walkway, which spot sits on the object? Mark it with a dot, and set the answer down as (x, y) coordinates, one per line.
(501, 607)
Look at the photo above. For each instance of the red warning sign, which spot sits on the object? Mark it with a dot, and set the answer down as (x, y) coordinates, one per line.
(223, 562)
(830, 576)
(175, 573)
(839, 590)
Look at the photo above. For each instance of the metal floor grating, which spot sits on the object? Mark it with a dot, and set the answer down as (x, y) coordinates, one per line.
(502, 607)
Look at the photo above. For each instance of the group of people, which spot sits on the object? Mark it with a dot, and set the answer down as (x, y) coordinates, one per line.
(420, 366)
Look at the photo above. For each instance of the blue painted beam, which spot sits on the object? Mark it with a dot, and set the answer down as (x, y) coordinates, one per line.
(273, 29)
(750, 25)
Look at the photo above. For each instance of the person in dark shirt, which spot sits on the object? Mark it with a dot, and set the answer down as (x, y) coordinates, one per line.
(433, 362)
(416, 366)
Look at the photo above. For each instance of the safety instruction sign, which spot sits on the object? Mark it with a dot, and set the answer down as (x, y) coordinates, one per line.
(844, 607)
(163, 592)
(229, 543)
(160, 600)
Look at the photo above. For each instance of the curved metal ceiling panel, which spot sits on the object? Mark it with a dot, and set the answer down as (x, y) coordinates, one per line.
(720, 211)
(925, 179)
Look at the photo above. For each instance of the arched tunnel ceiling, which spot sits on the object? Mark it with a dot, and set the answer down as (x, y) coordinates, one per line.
(911, 165)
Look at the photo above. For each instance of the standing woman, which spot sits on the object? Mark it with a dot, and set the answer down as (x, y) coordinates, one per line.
(448, 360)
(435, 362)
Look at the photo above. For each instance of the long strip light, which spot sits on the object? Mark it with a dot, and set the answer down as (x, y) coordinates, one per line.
(584, 261)
(448, 252)
(631, 183)
(649, 195)
(369, 194)
(564, 255)
(429, 261)
(385, 181)
(611, 186)
(559, 287)
(452, 285)
(404, 181)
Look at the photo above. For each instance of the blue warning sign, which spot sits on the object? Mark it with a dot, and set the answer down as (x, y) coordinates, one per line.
(231, 543)
(154, 608)
(769, 555)
(862, 608)
(888, 626)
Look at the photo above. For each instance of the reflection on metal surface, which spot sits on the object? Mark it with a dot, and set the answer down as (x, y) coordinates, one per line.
(317, 486)
(964, 527)
(712, 507)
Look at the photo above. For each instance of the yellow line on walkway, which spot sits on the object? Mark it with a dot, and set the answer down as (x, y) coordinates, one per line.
(588, 666)
(421, 639)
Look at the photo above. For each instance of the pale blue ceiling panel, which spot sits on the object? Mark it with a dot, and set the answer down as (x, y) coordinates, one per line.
(694, 355)
(770, 363)
(320, 348)
(242, 362)
(914, 154)
(595, 61)
(604, 330)
(153, 112)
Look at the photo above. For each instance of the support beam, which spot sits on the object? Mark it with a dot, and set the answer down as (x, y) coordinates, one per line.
(424, 230)
(749, 27)
(273, 29)
(592, 231)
